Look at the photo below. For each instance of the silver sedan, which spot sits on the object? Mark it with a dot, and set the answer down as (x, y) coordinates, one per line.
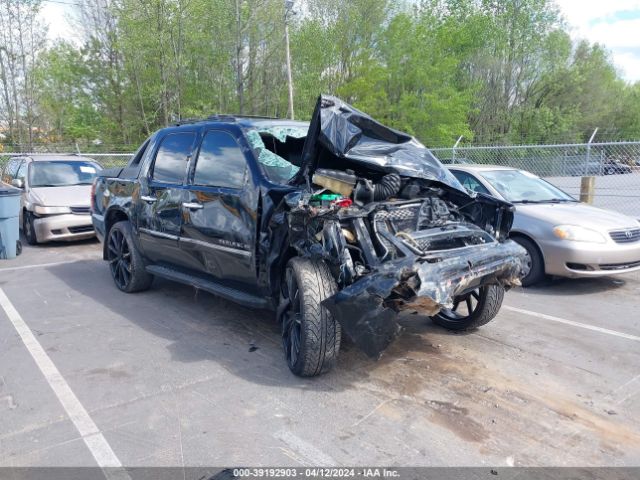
(562, 236)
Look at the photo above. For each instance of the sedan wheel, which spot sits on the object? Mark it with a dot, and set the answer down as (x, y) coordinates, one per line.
(29, 229)
(526, 265)
(533, 266)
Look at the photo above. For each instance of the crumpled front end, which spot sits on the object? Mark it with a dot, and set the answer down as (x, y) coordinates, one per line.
(368, 308)
(395, 228)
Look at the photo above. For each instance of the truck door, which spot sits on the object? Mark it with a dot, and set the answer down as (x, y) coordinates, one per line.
(161, 197)
(219, 217)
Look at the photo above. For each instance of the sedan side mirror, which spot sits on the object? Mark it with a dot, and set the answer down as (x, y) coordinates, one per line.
(18, 183)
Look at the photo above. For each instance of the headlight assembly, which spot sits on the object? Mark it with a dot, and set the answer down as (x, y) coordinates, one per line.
(578, 234)
(42, 210)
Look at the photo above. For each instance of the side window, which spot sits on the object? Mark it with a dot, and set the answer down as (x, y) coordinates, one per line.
(22, 171)
(221, 162)
(470, 182)
(172, 157)
(11, 170)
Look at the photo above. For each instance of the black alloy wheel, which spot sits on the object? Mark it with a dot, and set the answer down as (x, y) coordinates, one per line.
(119, 257)
(310, 334)
(291, 319)
(473, 309)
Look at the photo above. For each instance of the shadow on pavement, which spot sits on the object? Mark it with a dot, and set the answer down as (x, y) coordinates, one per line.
(203, 327)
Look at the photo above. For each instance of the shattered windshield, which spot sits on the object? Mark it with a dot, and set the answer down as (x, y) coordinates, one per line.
(277, 168)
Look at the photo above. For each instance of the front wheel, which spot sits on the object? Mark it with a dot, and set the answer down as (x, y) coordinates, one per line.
(29, 229)
(533, 268)
(310, 334)
(472, 310)
(125, 262)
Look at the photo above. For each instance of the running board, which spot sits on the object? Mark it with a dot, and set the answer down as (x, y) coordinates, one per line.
(237, 296)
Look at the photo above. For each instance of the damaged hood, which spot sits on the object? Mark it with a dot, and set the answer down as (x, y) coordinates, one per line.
(355, 137)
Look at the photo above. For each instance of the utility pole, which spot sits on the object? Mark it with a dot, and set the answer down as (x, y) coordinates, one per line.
(288, 12)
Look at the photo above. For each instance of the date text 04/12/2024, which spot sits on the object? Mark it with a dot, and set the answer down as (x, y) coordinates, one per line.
(316, 472)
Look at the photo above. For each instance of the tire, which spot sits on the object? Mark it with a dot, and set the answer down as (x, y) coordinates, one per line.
(310, 335)
(125, 262)
(488, 300)
(29, 229)
(534, 270)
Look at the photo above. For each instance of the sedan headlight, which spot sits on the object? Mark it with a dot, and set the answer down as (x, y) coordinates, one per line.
(42, 210)
(578, 234)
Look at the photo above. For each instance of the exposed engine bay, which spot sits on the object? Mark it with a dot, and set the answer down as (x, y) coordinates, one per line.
(395, 227)
(378, 222)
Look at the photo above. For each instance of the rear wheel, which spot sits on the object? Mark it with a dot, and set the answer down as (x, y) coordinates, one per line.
(533, 268)
(29, 229)
(310, 335)
(473, 309)
(125, 262)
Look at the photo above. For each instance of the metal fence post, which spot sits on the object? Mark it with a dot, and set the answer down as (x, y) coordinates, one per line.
(588, 158)
(453, 150)
(587, 189)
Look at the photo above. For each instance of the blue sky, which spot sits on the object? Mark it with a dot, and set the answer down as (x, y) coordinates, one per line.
(613, 23)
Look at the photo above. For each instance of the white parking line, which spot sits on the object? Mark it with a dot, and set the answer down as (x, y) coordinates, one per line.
(572, 323)
(40, 265)
(93, 438)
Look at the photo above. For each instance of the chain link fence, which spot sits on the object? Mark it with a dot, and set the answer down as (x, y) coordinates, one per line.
(107, 160)
(616, 167)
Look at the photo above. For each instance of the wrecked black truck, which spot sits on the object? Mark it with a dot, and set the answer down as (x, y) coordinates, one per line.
(337, 225)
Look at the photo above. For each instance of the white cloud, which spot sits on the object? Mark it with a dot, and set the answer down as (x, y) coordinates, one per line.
(614, 24)
(629, 63)
(581, 12)
(55, 15)
(620, 34)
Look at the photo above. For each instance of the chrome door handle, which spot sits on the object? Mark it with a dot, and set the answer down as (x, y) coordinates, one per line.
(193, 206)
(148, 199)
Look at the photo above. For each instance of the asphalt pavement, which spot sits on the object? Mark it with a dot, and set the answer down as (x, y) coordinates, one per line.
(174, 377)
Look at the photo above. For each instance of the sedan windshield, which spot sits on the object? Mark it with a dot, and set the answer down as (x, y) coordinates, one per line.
(62, 173)
(518, 186)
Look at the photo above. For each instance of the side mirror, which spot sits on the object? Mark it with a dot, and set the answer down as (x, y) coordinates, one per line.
(18, 183)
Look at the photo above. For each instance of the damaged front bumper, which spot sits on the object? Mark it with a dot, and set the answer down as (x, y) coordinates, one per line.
(367, 309)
